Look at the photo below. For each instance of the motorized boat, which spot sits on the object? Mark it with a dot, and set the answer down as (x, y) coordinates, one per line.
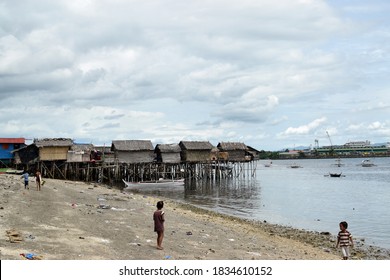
(160, 183)
(335, 174)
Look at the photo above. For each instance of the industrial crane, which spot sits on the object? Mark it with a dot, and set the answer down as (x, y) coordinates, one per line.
(331, 144)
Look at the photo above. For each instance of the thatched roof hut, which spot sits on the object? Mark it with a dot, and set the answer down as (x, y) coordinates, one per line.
(195, 151)
(133, 151)
(80, 153)
(51, 149)
(168, 153)
(236, 151)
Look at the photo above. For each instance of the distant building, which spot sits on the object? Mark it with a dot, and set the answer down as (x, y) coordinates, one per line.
(168, 153)
(7, 146)
(236, 151)
(195, 151)
(53, 149)
(80, 153)
(133, 151)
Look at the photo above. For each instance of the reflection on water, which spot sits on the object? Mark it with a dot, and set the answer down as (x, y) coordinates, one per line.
(225, 195)
(301, 197)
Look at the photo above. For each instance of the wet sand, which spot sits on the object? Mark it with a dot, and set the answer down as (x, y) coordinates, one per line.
(84, 221)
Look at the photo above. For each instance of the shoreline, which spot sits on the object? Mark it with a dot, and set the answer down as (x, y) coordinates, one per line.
(70, 220)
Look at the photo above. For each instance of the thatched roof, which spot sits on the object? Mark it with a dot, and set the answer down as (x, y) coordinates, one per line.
(196, 145)
(232, 146)
(132, 145)
(168, 148)
(53, 142)
(82, 147)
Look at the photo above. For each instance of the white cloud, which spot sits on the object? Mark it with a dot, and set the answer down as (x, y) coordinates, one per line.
(198, 69)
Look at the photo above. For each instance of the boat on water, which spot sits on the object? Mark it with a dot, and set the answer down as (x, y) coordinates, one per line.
(367, 163)
(295, 165)
(338, 163)
(335, 174)
(158, 183)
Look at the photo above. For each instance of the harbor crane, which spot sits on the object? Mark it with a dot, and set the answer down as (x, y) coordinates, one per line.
(330, 140)
(331, 144)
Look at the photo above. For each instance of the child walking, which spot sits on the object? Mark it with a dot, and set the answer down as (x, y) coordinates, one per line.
(344, 240)
(25, 177)
(159, 220)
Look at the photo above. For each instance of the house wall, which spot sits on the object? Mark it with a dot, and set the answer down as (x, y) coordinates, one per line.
(53, 153)
(195, 156)
(170, 157)
(135, 157)
(5, 150)
(78, 157)
(236, 155)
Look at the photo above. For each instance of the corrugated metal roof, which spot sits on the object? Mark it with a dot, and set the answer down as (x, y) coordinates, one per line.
(53, 142)
(12, 140)
(232, 146)
(196, 145)
(132, 145)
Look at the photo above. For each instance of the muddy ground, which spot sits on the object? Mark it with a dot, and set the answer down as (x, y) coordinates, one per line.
(69, 220)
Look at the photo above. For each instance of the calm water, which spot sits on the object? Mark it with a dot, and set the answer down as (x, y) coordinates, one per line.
(302, 197)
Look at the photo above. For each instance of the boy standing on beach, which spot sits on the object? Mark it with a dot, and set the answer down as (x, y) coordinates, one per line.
(344, 240)
(159, 219)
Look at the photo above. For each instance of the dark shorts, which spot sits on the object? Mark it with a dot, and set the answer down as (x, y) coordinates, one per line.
(25, 183)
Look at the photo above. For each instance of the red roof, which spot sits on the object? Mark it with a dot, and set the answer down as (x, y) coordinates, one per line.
(12, 140)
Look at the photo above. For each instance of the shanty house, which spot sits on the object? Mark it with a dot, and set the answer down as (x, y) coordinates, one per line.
(52, 149)
(133, 151)
(195, 151)
(168, 153)
(80, 153)
(236, 151)
(7, 145)
(104, 154)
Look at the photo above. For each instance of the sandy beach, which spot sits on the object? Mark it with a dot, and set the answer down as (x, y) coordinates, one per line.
(70, 220)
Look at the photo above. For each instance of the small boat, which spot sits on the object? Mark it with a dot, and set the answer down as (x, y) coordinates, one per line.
(295, 165)
(160, 183)
(268, 164)
(367, 163)
(335, 174)
(338, 163)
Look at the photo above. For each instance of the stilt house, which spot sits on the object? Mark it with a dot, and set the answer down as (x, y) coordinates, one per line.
(133, 151)
(195, 151)
(236, 151)
(53, 149)
(7, 146)
(168, 153)
(80, 153)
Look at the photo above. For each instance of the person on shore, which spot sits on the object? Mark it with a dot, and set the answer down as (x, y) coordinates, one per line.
(25, 176)
(344, 240)
(159, 220)
(38, 180)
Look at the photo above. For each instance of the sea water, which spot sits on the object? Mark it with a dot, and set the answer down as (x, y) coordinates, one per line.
(304, 198)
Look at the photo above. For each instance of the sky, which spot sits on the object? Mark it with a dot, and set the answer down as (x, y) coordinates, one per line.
(271, 74)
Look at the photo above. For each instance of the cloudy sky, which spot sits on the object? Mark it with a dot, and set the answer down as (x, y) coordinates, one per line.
(271, 74)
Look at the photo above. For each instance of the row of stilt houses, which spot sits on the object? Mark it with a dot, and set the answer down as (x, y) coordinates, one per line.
(135, 160)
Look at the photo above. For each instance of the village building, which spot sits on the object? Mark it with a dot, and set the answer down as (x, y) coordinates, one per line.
(53, 149)
(196, 151)
(133, 151)
(237, 152)
(103, 154)
(168, 153)
(80, 153)
(7, 146)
